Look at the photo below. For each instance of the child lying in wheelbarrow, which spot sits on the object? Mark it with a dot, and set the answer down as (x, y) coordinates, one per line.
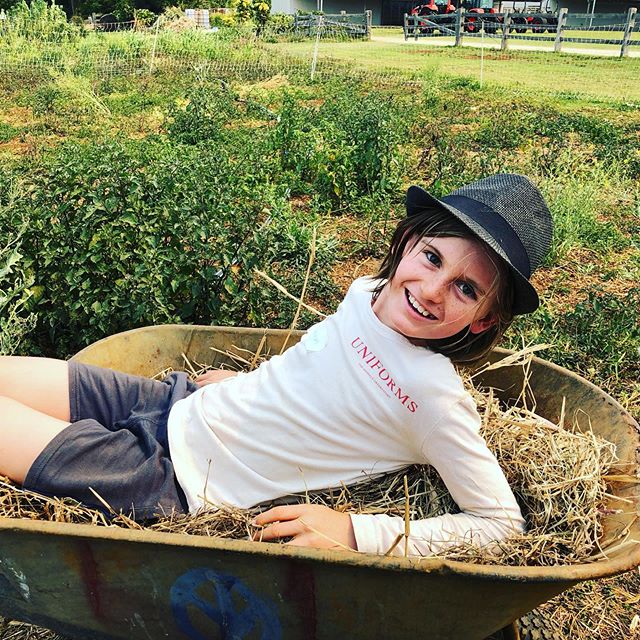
(368, 390)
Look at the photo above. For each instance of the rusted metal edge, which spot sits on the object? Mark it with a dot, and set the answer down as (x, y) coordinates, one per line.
(562, 573)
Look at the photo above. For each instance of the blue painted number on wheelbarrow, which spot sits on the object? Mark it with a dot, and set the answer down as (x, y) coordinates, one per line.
(235, 609)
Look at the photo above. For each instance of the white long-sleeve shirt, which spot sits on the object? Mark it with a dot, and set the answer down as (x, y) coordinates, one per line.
(353, 398)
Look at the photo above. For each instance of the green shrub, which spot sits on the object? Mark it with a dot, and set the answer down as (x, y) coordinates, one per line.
(347, 148)
(600, 338)
(280, 23)
(45, 99)
(373, 127)
(39, 21)
(252, 10)
(222, 19)
(144, 17)
(576, 203)
(612, 144)
(507, 128)
(16, 279)
(204, 117)
(124, 235)
(7, 132)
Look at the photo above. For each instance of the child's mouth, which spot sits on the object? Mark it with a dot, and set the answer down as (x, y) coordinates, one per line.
(418, 308)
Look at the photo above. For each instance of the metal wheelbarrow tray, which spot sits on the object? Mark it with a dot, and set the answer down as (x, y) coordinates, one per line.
(95, 582)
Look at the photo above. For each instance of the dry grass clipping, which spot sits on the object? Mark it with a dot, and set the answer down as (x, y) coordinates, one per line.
(14, 630)
(606, 609)
(558, 477)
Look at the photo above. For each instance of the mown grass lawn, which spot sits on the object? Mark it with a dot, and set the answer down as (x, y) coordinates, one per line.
(533, 71)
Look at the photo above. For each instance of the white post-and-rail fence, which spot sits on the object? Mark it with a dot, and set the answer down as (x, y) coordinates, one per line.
(352, 25)
(525, 26)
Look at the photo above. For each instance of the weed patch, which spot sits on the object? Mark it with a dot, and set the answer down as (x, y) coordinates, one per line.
(131, 234)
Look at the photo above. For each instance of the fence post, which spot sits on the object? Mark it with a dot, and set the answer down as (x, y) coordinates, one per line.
(155, 44)
(368, 13)
(314, 62)
(405, 27)
(562, 19)
(506, 26)
(628, 30)
(459, 26)
(481, 51)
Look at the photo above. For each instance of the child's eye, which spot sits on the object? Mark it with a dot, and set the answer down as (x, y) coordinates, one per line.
(467, 290)
(433, 258)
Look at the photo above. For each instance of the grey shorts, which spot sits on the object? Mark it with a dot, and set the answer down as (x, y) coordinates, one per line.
(116, 444)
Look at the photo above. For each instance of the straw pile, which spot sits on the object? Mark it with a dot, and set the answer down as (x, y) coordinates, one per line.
(14, 630)
(604, 609)
(559, 478)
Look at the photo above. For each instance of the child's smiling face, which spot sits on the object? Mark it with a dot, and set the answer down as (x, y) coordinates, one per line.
(441, 286)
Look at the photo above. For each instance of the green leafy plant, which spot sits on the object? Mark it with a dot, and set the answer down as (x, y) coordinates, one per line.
(280, 23)
(252, 12)
(575, 204)
(599, 338)
(144, 17)
(16, 281)
(7, 132)
(204, 116)
(345, 149)
(122, 235)
(39, 21)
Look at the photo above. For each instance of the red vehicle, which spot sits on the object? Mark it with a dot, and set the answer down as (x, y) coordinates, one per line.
(481, 12)
(435, 8)
(474, 9)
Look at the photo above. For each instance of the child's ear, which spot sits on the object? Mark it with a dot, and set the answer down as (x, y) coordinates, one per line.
(481, 325)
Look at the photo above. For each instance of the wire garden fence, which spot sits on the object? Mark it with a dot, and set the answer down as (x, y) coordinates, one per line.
(317, 46)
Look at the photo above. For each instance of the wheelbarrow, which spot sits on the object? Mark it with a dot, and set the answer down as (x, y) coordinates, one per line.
(94, 582)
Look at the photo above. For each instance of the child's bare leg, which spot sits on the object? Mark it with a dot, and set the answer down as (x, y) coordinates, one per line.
(39, 383)
(24, 433)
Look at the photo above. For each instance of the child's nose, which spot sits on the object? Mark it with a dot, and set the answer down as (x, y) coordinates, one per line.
(433, 289)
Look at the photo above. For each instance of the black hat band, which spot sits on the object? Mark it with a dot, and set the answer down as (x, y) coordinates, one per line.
(497, 227)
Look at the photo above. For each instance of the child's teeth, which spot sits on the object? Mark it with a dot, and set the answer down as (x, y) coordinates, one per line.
(418, 307)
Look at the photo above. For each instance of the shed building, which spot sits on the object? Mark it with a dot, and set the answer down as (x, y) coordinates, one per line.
(390, 12)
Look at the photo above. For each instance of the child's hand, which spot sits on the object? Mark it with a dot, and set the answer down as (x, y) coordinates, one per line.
(213, 376)
(308, 525)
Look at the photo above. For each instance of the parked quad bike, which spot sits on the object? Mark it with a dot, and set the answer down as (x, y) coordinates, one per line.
(481, 13)
(536, 23)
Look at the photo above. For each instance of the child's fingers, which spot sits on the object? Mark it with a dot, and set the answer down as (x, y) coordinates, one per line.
(282, 521)
(276, 514)
(310, 539)
(279, 530)
(213, 376)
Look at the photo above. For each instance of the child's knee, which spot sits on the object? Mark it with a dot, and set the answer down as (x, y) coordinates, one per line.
(9, 407)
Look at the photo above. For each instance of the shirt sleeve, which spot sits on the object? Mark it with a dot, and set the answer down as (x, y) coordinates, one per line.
(488, 509)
